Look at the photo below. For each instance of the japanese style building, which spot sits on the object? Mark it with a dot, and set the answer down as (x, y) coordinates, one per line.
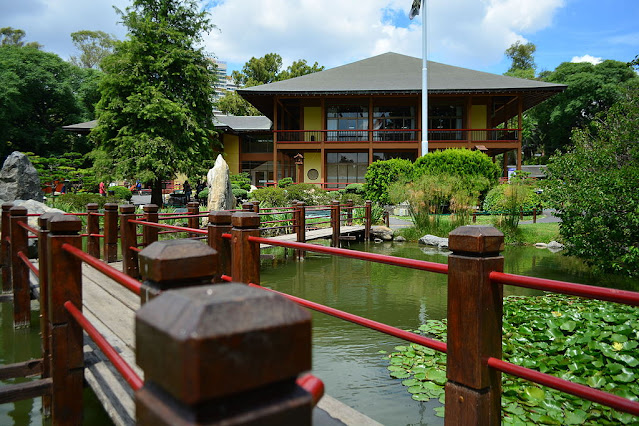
(326, 128)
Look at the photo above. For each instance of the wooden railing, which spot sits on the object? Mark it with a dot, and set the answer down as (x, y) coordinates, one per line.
(475, 280)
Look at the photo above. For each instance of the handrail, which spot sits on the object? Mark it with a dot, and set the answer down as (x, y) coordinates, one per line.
(29, 228)
(119, 277)
(30, 265)
(178, 228)
(582, 391)
(423, 265)
(119, 363)
(588, 291)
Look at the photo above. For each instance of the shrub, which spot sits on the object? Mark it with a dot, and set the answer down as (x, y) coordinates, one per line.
(203, 194)
(242, 180)
(355, 188)
(270, 197)
(284, 183)
(121, 193)
(239, 193)
(381, 174)
(78, 202)
(460, 162)
(509, 199)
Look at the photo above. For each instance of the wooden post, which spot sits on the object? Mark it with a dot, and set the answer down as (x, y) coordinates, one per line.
(248, 207)
(128, 239)
(301, 227)
(534, 214)
(220, 223)
(149, 233)
(368, 219)
(349, 212)
(20, 271)
(45, 329)
(166, 265)
(335, 223)
(474, 216)
(193, 209)
(235, 354)
(473, 391)
(521, 212)
(5, 258)
(111, 232)
(386, 218)
(67, 357)
(256, 206)
(93, 228)
(245, 258)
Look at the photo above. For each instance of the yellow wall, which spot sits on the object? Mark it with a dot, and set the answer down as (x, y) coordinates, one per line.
(232, 152)
(313, 160)
(478, 120)
(312, 120)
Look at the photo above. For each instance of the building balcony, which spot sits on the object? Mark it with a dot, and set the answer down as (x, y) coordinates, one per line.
(451, 136)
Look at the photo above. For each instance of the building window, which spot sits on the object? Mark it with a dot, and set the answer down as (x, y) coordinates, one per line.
(389, 155)
(257, 143)
(347, 123)
(396, 123)
(261, 172)
(443, 119)
(343, 168)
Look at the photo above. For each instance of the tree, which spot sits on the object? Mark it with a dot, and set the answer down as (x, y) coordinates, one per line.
(264, 70)
(156, 112)
(634, 63)
(591, 89)
(13, 37)
(93, 46)
(37, 98)
(593, 186)
(523, 62)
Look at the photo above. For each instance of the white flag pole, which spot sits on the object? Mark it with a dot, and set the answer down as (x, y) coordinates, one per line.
(424, 79)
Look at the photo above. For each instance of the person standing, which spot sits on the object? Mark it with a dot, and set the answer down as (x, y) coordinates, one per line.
(102, 189)
(187, 190)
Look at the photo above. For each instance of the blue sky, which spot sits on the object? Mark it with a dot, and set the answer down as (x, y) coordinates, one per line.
(467, 33)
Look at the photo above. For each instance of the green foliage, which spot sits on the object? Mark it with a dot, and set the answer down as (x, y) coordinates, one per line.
(156, 112)
(284, 197)
(509, 199)
(203, 194)
(239, 193)
(60, 168)
(381, 174)
(591, 89)
(242, 180)
(270, 197)
(93, 46)
(233, 104)
(38, 97)
(120, 192)
(78, 202)
(589, 342)
(13, 37)
(594, 189)
(283, 183)
(355, 188)
(523, 61)
(460, 162)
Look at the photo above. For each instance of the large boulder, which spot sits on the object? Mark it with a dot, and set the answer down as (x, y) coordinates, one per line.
(219, 183)
(382, 232)
(19, 180)
(432, 240)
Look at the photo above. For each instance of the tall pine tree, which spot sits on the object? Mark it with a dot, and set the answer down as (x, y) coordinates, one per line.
(156, 112)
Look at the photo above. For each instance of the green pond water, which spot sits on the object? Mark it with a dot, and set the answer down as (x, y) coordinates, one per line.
(345, 356)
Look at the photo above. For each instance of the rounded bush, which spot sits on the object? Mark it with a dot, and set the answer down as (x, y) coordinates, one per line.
(121, 192)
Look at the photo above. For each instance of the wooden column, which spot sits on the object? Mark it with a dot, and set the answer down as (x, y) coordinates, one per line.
(276, 127)
(245, 258)
(45, 326)
(111, 232)
(193, 209)
(149, 233)
(349, 212)
(67, 357)
(171, 264)
(301, 226)
(473, 391)
(93, 228)
(220, 223)
(368, 216)
(335, 223)
(520, 113)
(128, 239)
(5, 258)
(19, 270)
(235, 355)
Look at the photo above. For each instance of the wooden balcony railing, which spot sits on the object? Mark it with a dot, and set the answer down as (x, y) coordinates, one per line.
(397, 135)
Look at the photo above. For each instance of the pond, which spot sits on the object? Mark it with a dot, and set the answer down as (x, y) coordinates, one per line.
(346, 357)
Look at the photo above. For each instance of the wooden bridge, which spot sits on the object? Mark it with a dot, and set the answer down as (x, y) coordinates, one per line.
(235, 353)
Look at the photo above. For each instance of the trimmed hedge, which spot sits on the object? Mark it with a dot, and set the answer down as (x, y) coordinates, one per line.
(458, 162)
(381, 174)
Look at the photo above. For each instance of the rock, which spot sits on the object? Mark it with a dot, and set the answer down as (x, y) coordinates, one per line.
(382, 232)
(400, 239)
(554, 246)
(432, 240)
(219, 184)
(34, 207)
(378, 240)
(19, 180)
(541, 245)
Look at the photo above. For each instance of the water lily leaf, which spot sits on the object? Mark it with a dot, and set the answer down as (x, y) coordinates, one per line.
(410, 382)
(596, 382)
(395, 368)
(420, 376)
(420, 397)
(532, 393)
(619, 338)
(399, 374)
(547, 420)
(614, 368)
(396, 361)
(568, 325)
(432, 386)
(442, 398)
(417, 389)
(575, 417)
(381, 352)
(437, 376)
(440, 411)
(400, 348)
(625, 377)
(630, 360)
(630, 345)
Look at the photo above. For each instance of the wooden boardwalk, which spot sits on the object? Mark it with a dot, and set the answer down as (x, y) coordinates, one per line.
(317, 234)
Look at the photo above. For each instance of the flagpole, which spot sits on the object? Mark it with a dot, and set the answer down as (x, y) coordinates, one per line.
(424, 79)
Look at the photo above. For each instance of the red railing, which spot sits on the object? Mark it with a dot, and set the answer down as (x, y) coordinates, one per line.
(397, 135)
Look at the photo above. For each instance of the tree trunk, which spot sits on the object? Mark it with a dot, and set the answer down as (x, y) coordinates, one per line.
(156, 193)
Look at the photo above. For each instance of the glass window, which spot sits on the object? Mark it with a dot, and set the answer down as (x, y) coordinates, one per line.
(343, 168)
(396, 123)
(384, 155)
(347, 121)
(442, 119)
(257, 143)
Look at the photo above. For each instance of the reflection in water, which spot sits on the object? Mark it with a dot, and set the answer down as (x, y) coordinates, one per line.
(346, 356)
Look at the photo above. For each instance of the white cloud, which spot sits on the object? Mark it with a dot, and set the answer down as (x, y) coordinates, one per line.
(333, 32)
(586, 58)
